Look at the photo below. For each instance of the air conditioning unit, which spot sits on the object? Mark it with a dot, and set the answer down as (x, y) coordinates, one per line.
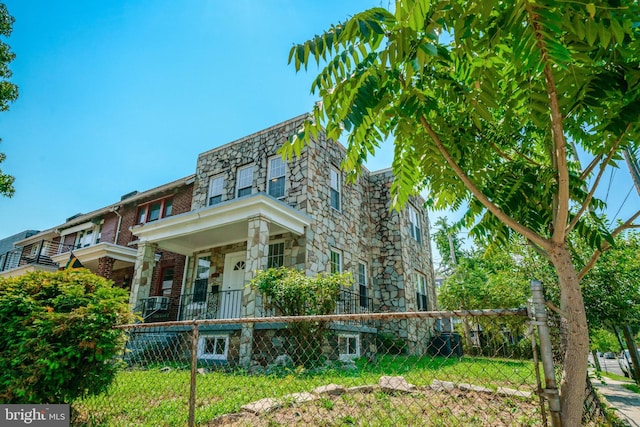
(157, 304)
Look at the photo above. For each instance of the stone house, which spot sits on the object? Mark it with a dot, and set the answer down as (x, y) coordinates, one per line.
(187, 249)
(252, 210)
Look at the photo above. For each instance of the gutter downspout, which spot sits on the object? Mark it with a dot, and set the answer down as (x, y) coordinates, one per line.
(115, 211)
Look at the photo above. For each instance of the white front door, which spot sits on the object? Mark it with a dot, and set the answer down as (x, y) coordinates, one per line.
(232, 284)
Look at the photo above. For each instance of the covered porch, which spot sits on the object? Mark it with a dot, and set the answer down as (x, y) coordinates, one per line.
(224, 245)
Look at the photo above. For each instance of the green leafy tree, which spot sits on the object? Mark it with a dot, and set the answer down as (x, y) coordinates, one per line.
(487, 102)
(8, 90)
(603, 340)
(448, 243)
(59, 339)
(292, 293)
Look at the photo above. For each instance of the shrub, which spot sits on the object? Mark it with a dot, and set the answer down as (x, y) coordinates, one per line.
(59, 341)
(293, 293)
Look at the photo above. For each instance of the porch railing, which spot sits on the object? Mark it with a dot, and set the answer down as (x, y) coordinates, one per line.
(351, 302)
(215, 305)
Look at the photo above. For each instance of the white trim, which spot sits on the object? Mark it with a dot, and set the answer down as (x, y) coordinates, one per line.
(80, 227)
(340, 253)
(349, 356)
(97, 251)
(212, 356)
(180, 227)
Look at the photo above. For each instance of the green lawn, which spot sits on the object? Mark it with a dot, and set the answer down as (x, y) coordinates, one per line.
(155, 398)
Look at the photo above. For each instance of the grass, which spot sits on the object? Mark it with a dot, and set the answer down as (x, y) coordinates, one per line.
(613, 376)
(154, 398)
(632, 387)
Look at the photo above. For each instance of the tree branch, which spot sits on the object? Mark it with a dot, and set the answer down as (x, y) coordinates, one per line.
(585, 173)
(559, 152)
(471, 186)
(603, 165)
(606, 245)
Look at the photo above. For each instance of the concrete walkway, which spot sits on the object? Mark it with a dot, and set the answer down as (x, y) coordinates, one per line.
(626, 402)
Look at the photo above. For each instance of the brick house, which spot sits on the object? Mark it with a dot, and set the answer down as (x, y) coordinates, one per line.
(102, 241)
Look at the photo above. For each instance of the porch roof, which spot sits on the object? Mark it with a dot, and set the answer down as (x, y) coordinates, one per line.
(89, 256)
(221, 224)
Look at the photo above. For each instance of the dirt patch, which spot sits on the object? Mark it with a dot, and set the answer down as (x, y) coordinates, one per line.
(423, 407)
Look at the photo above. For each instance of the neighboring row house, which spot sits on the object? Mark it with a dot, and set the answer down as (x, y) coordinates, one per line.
(188, 249)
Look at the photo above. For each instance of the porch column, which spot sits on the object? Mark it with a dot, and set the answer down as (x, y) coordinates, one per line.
(257, 252)
(142, 272)
(105, 267)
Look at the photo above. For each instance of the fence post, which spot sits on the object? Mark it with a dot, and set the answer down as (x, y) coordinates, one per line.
(546, 354)
(194, 373)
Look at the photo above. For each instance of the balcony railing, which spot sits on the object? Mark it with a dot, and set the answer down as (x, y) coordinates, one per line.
(38, 253)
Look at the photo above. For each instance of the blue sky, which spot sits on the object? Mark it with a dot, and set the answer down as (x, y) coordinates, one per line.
(117, 96)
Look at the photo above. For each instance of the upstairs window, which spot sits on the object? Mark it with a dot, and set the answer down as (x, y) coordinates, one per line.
(84, 238)
(421, 291)
(276, 177)
(216, 187)
(88, 237)
(155, 210)
(244, 181)
(275, 258)
(336, 261)
(336, 188)
(414, 225)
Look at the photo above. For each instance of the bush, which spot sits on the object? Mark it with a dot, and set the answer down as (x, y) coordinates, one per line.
(293, 293)
(59, 341)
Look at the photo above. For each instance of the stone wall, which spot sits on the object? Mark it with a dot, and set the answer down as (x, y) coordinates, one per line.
(364, 229)
(256, 150)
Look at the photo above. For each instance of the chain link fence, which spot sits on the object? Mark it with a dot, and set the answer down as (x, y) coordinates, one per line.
(464, 368)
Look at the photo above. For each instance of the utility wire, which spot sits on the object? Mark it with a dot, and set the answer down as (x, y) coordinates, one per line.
(622, 204)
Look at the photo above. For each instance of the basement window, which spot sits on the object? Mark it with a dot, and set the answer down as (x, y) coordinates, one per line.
(348, 346)
(213, 347)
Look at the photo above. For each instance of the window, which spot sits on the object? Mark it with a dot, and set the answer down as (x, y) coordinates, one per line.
(362, 286)
(155, 210)
(84, 238)
(276, 177)
(336, 261)
(213, 347)
(244, 181)
(421, 291)
(348, 346)
(216, 186)
(202, 279)
(335, 189)
(166, 281)
(414, 225)
(168, 208)
(275, 258)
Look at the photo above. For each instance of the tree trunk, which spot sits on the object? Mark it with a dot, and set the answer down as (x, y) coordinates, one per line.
(596, 360)
(575, 357)
(633, 354)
